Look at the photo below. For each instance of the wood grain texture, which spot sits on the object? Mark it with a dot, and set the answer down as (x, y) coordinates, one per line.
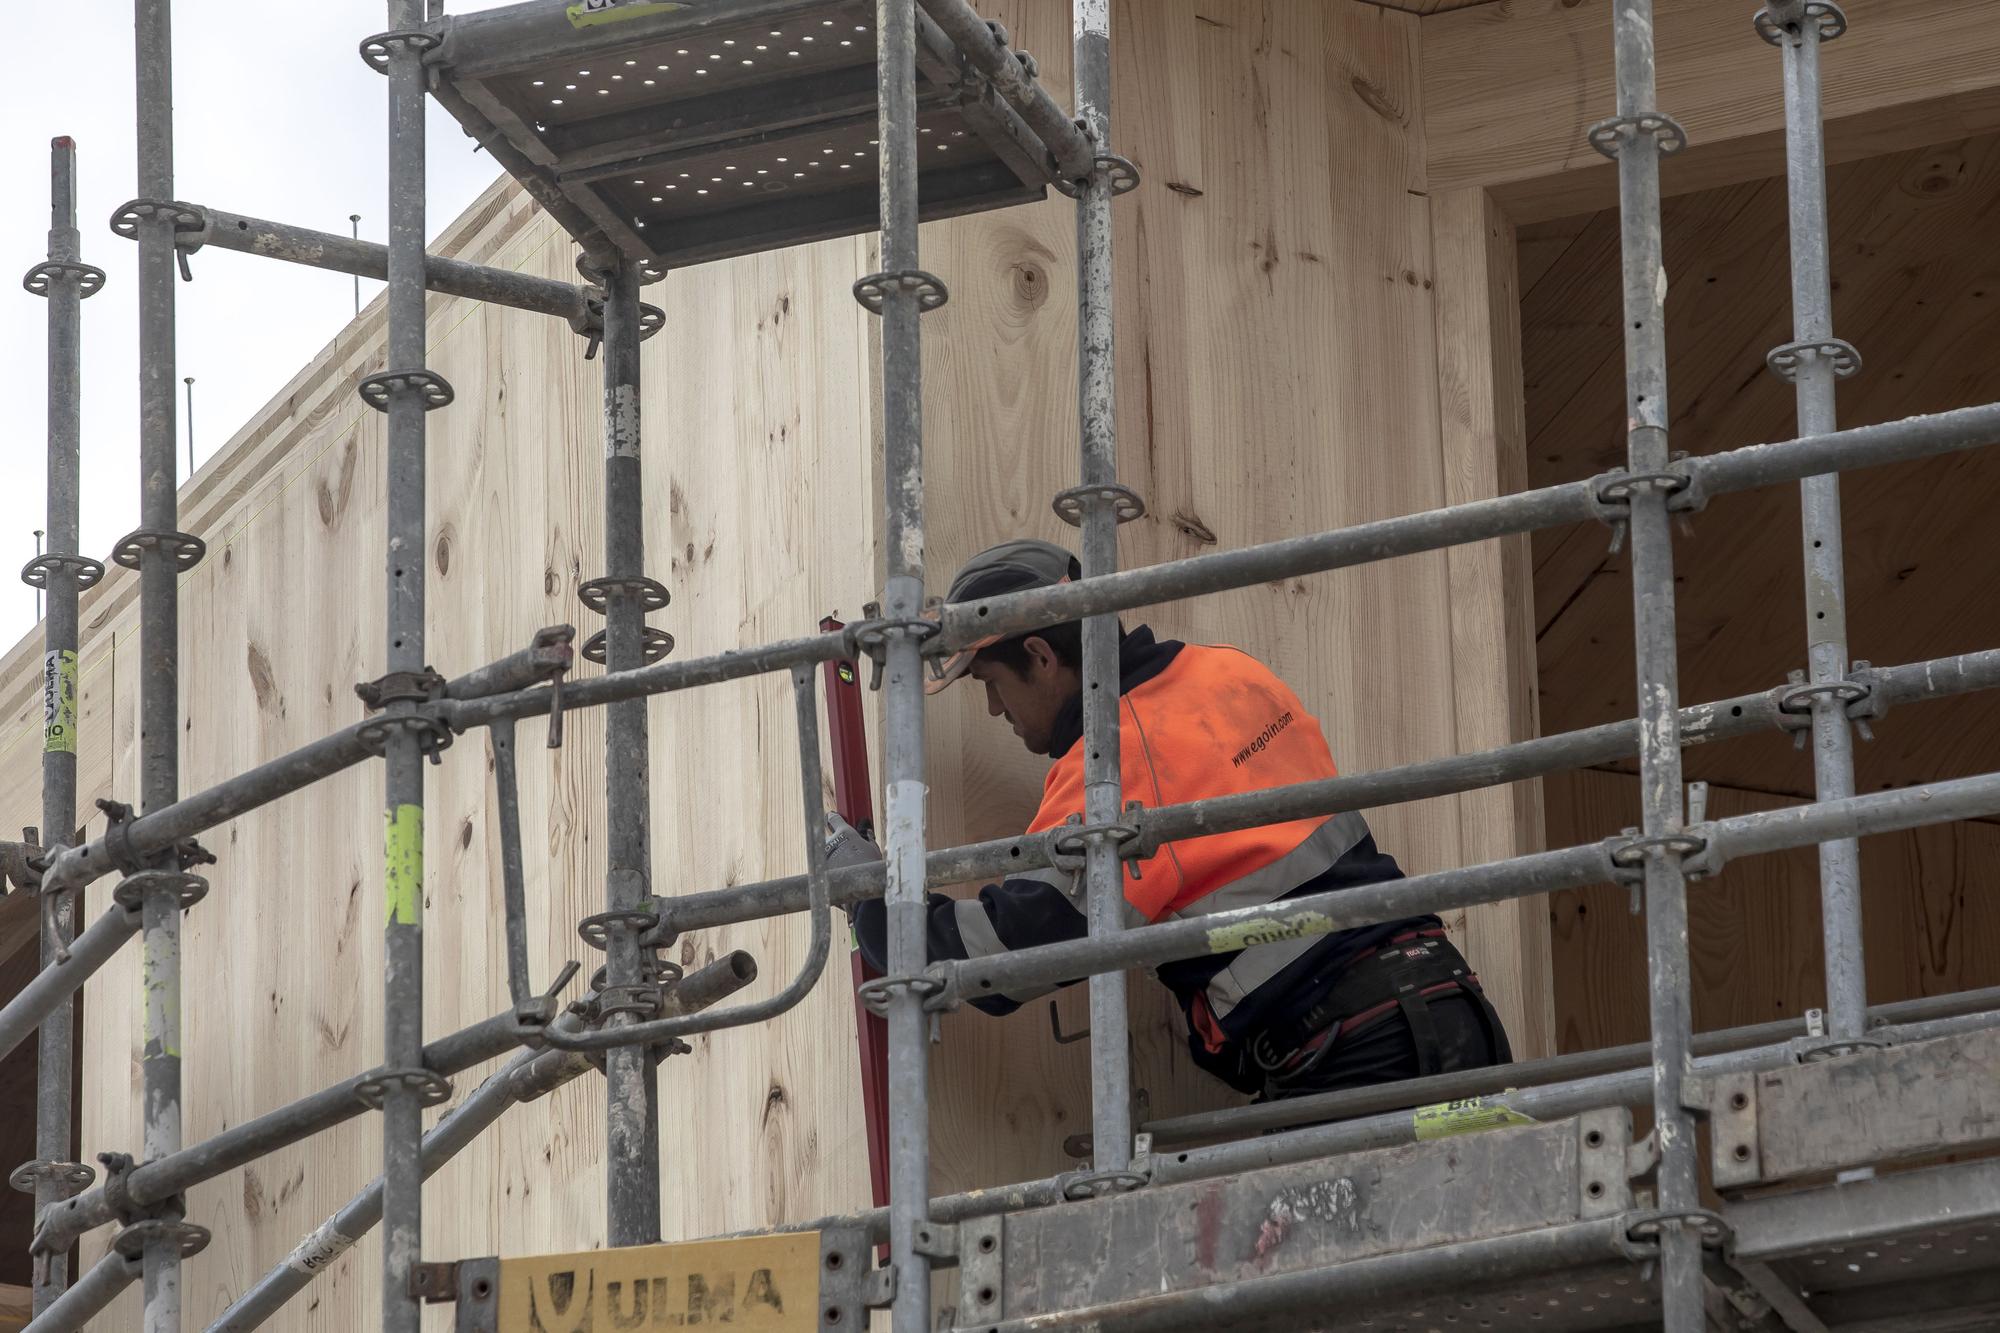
(1754, 931)
(1483, 433)
(1511, 89)
(1428, 6)
(1919, 299)
(1279, 346)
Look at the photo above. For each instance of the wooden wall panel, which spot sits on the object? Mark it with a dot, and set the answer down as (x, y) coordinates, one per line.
(1279, 346)
(1895, 82)
(1754, 932)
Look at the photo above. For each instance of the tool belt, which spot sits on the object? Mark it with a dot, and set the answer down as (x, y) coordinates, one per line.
(1405, 975)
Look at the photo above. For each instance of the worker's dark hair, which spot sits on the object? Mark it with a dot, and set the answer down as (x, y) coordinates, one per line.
(1065, 639)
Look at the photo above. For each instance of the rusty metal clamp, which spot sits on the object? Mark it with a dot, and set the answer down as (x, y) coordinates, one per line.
(69, 1179)
(1793, 702)
(655, 643)
(1119, 171)
(1068, 843)
(1788, 360)
(1645, 1228)
(134, 1239)
(398, 687)
(869, 638)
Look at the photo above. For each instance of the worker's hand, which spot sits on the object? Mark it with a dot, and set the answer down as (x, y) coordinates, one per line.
(846, 845)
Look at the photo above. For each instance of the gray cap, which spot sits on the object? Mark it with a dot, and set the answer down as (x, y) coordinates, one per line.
(1013, 566)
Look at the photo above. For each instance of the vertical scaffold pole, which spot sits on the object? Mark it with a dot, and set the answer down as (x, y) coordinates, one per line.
(1098, 503)
(901, 293)
(631, 1077)
(1813, 361)
(407, 391)
(159, 560)
(1637, 137)
(64, 280)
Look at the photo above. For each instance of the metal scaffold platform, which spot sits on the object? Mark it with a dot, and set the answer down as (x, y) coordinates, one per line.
(1808, 1175)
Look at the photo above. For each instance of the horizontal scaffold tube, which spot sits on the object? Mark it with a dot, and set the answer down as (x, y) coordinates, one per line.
(530, 1074)
(1235, 1121)
(1611, 741)
(90, 1297)
(55, 983)
(998, 65)
(1628, 1087)
(366, 259)
(1449, 890)
(963, 623)
(151, 1182)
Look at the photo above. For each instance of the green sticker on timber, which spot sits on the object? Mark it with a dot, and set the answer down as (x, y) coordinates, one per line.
(1268, 930)
(1467, 1115)
(403, 882)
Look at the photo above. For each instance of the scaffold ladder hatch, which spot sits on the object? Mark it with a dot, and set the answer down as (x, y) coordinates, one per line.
(1526, 1203)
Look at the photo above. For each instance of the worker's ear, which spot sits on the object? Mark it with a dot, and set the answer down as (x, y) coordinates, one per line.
(1041, 654)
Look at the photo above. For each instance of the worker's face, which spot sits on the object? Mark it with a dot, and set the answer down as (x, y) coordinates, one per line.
(1030, 699)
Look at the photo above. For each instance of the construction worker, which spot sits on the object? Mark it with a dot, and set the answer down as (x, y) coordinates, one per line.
(1368, 1005)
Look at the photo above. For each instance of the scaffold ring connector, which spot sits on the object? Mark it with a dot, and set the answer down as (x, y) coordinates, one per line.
(89, 277)
(1628, 853)
(1609, 137)
(68, 1178)
(1068, 845)
(433, 736)
(656, 644)
(378, 391)
(1120, 172)
(1787, 361)
(596, 930)
(877, 995)
(1795, 701)
(1102, 1184)
(183, 548)
(1646, 1228)
(431, 1087)
(1777, 28)
(132, 891)
(1835, 1047)
(133, 1240)
(875, 289)
(651, 320)
(1126, 503)
(597, 593)
(376, 50)
(186, 217)
(88, 572)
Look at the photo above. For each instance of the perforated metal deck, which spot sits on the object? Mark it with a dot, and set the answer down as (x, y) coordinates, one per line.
(682, 133)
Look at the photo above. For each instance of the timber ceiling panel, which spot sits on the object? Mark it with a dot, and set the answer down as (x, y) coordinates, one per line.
(1917, 289)
(1427, 6)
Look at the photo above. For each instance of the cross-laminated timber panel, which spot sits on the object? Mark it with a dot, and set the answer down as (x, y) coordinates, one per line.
(1282, 329)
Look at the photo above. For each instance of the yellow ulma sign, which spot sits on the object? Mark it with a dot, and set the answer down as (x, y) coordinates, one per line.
(768, 1283)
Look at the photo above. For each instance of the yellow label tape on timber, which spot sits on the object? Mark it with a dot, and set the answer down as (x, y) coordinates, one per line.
(1468, 1115)
(769, 1284)
(403, 882)
(593, 13)
(59, 702)
(1267, 930)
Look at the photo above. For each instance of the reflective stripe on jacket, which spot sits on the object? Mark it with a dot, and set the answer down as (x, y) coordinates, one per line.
(1195, 722)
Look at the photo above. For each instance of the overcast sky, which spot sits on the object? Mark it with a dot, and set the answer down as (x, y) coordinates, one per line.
(275, 116)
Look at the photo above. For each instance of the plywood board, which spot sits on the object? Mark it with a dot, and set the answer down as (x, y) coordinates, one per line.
(1279, 343)
(1510, 91)
(1919, 297)
(1754, 931)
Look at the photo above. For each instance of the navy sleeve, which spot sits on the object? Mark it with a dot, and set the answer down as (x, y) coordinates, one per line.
(1016, 914)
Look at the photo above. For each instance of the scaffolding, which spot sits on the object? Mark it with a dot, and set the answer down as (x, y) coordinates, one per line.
(1558, 1218)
